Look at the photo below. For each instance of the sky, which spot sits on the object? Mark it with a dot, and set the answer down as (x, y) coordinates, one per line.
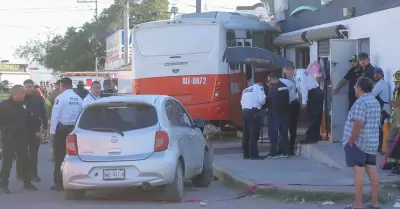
(21, 20)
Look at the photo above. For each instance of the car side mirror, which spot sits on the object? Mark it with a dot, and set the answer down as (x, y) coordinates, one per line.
(200, 123)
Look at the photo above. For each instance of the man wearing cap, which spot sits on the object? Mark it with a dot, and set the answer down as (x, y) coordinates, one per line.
(80, 90)
(381, 92)
(367, 70)
(351, 77)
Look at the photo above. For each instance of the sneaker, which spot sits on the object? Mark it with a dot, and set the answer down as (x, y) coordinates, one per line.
(36, 179)
(284, 156)
(4, 190)
(30, 187)
(56, 188)
(272, 156)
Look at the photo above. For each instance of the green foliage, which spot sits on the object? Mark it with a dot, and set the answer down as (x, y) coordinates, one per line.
(77, 49)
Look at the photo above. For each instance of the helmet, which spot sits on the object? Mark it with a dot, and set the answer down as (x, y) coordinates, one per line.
(396, 76)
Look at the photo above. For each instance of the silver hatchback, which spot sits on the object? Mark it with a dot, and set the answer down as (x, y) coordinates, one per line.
(136, 141)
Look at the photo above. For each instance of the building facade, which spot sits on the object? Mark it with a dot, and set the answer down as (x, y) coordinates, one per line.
(331, 31)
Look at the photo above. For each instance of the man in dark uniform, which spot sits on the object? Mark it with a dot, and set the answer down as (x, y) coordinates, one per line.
(14, 125)
(80, 90)
(278, 117)
(367, 70)
(351, 77)
(253, 98)
(37, 116)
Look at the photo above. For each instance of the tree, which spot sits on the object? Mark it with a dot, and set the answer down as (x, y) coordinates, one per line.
(78, 48)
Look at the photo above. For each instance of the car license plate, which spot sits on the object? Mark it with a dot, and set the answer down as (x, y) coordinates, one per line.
(113, 174)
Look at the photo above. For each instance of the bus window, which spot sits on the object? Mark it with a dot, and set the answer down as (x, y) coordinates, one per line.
(230, 38)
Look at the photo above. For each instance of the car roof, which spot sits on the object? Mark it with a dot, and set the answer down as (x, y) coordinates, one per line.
(151, 99)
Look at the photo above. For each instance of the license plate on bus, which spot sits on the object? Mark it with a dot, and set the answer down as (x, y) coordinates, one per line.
(113, 174)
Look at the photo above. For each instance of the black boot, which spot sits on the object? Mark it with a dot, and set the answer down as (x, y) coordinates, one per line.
(4, 190)
(30, 187)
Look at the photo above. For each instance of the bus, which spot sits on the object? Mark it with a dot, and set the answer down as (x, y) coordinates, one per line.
(183, 58)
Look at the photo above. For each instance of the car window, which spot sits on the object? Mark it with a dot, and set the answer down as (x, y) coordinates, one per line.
(172, 116)
(184, 117)
(121, 117)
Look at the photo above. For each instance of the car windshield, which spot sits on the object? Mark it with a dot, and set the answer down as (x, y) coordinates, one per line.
(125, 117)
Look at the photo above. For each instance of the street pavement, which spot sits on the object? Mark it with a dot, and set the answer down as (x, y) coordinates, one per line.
(46, 199)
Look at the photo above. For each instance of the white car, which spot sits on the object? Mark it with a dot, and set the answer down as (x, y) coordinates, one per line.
(136, 141)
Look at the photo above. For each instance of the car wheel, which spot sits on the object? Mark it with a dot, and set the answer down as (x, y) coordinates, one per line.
(175, 191)
(74, 194)
(206, 176)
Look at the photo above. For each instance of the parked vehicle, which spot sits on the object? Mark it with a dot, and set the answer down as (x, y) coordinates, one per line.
(140, 141)
(184, 58)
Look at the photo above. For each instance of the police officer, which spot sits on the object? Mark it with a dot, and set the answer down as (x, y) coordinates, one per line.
(278, 116)
(294, 112)
(381, 92)
(80, 90)
(14, 124)
(312, 99)
(93, 95)
(253, 98)
(37, 115)
(65, 112)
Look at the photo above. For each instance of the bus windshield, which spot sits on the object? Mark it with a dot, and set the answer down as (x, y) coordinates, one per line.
(176, 39)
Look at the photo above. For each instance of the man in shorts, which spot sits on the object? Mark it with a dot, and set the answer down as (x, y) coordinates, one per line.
(361, 141)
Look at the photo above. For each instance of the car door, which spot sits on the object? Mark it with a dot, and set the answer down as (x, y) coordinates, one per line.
(179, 134)
(196, 138)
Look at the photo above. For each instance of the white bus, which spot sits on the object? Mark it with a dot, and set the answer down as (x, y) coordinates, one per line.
(184, 58)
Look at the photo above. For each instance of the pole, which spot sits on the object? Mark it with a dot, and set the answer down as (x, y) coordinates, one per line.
(96, 11)
(126, 32)
(198, 6)
(96, 68)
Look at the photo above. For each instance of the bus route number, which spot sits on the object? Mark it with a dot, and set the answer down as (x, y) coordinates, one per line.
(194, 80)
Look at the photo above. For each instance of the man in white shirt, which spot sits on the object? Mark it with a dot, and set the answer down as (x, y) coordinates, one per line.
(382, 93)
(312, 100)
(67, 107)
(294, 112)
(253, 98)
(93, 95)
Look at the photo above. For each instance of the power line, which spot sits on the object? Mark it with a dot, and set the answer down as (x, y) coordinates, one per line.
(40, 11)
(90, 1)
(35, 8)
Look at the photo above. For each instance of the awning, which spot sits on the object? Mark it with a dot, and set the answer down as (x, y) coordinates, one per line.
(257, 57)
(290, 39)
(324, 33)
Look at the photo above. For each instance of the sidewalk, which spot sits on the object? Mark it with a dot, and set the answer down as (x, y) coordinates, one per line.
(242, 174)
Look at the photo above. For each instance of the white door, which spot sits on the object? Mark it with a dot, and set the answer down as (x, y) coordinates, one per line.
(341, 51)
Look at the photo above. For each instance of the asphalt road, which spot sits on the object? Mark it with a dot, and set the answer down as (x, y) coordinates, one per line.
(46, 199)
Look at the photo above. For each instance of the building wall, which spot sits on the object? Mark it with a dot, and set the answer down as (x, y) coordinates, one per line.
(382, 30)
(331, 12)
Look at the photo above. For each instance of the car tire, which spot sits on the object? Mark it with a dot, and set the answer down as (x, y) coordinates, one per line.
(74, 194)
(176, 190)
(206, 176)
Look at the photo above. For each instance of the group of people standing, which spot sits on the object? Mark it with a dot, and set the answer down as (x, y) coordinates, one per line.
(284, 100)
(24, 118)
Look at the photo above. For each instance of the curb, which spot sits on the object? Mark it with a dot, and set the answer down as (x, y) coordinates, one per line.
(286, 194)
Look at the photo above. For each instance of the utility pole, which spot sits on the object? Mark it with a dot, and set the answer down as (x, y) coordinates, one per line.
(198, 6)
(90, 1)
(126, 32)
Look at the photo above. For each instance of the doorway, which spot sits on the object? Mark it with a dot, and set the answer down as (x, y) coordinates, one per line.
(302, 57)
